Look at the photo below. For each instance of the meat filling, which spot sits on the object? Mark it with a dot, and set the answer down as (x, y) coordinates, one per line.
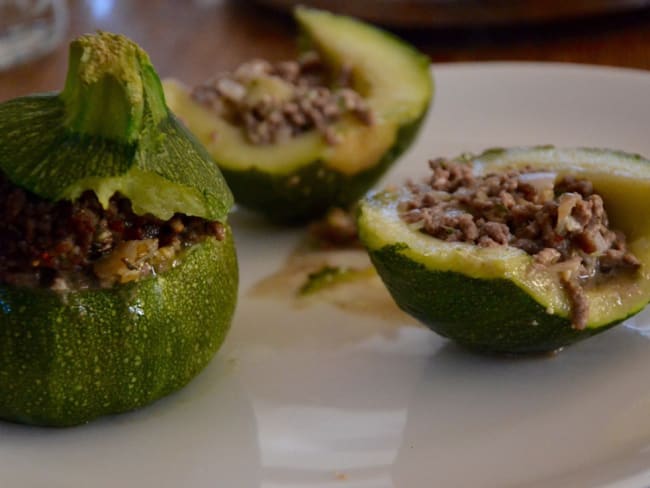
(275, 102)
(64, 245)
(562, 223)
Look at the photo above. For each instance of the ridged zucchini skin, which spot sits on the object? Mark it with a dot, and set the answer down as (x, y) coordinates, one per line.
(301, 195)
(485, 315)
(68, 358)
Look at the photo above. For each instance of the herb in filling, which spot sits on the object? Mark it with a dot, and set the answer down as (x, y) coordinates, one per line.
(562, 223)
(275, 102)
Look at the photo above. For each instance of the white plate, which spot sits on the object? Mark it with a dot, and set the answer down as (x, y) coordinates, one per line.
(320, 397)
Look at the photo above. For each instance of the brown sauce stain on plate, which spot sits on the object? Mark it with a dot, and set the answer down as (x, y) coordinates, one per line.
(352, 286)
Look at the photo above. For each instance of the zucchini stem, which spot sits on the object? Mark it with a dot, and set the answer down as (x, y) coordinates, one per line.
(111, 89)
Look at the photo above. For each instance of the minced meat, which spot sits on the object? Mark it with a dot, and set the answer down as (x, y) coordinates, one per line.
(275, 102)
(337, 229)
(66, 244)
(562, 223)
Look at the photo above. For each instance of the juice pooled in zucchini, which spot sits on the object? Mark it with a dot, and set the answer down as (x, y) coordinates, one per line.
(296, 138)
(118, 273)
(517, 250)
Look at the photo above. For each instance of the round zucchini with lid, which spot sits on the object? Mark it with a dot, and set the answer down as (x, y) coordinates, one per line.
(296, 159)
(121, 324)
(499, 299)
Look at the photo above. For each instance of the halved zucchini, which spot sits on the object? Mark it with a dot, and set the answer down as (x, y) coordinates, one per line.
(302, 177)
(494, 299)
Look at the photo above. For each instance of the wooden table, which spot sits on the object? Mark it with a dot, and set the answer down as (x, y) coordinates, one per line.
(193, 40)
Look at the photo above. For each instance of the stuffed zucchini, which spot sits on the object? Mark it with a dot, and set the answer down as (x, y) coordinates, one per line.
(518, 250)
(298, 137)
(118, 273)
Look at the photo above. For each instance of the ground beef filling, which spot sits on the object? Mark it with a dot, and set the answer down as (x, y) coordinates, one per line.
(72, 245)
(562, 223)
(336, 230)
(275, 102)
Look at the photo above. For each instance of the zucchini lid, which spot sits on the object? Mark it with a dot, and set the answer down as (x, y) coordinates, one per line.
(109, 131)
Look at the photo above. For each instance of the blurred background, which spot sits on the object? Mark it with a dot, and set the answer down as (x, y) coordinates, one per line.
(192, 40)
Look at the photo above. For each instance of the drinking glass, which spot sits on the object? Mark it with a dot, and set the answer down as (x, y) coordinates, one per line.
(29, 29)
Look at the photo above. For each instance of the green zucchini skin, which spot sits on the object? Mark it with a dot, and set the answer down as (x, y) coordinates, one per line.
(471, 311)
(68, 358)
(302, 195)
